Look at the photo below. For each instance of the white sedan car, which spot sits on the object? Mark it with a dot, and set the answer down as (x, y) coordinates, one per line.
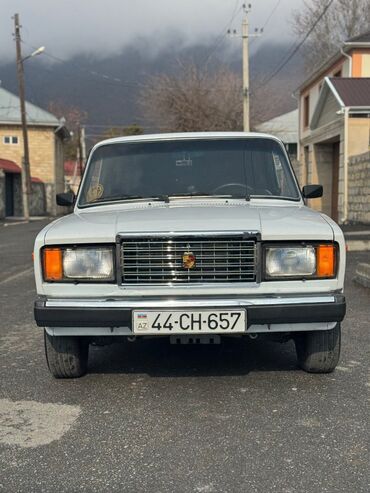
(194, 237)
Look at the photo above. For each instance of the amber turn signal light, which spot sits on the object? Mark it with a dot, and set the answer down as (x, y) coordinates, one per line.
(52, 264)
(326, 260)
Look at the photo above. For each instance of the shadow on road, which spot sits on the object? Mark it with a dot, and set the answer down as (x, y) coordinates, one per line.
(158, 358)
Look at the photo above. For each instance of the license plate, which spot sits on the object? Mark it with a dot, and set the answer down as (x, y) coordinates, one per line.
(189, 322)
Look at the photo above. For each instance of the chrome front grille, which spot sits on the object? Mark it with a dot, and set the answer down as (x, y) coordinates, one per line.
(160, 260)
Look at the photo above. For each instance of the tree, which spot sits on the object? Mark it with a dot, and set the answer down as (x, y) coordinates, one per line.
(74, 117)
(343, 20)
(133, 129)
(193, 99)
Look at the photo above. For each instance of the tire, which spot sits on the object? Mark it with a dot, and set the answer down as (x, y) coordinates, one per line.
(319, 351)
(66, 356)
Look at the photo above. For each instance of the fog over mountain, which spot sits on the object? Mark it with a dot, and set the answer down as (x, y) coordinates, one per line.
(99, 54)
(71, 27)
(108, 89)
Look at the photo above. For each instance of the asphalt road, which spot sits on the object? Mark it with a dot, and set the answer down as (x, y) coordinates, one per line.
(160, 418)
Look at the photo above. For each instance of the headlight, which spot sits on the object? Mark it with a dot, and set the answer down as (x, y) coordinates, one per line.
(312, 261)
(78, 264)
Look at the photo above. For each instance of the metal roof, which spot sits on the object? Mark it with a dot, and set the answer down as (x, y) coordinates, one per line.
(353, 92)
(284, 127)
(10, 112)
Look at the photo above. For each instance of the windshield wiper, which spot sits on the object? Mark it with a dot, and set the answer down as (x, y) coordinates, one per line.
(206, 194)
(117, 198)
(279, 197)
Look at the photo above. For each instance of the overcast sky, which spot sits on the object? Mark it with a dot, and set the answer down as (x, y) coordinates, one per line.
(67, 27)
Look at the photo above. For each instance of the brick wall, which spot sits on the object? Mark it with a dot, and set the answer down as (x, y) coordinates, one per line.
(41, 147)
(359, 189)
(46, 158)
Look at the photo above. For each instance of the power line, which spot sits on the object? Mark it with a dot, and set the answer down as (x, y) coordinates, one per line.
(222, 36)
(294, 49)
(103, 77)
(271, 14)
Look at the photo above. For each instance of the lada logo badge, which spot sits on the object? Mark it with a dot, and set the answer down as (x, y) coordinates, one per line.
(189, 260)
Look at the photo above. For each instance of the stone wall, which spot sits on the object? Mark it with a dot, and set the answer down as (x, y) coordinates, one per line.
(37, 198)
(359, 189)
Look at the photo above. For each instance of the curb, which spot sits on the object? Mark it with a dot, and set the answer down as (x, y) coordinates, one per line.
(363, 275)
(358, 245)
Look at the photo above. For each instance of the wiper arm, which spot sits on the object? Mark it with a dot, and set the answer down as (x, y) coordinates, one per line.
(206, 194)
(117, 198)
(190, 194)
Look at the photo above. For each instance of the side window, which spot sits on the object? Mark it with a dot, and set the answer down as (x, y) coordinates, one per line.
(306, 111)
(95, 190)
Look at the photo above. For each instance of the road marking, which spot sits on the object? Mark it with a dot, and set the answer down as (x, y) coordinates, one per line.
(343, 368)
(6, 245)
(19, 274)
(30, 424)
(16, 223)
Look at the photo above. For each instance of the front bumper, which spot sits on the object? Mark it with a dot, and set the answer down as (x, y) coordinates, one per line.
(261, 311)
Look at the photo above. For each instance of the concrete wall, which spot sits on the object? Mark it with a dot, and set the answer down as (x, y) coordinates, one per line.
(358, 136)
(297, 166)
(359, 189)
(324, 165)
(317, 160)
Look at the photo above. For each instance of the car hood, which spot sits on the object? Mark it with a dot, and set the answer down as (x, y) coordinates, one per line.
(274, 222)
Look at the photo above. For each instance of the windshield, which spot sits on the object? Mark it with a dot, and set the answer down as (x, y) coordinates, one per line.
(235, 168)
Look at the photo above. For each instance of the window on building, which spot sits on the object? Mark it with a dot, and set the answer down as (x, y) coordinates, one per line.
(10, 139)
(292, 150)
(306, 111)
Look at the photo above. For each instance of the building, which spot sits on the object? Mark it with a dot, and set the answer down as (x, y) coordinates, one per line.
(11, 203)
(285, 127)
(334, 110)
(46, 134)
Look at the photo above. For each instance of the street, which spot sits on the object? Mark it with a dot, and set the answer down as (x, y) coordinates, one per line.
(238, 417)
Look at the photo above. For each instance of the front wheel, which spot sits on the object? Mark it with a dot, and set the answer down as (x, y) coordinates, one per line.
(319, 351)
(66, 356)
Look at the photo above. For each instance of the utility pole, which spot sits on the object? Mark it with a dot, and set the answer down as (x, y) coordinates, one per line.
(83, 146)
(245, 39)
(245, 42)
(26, 175)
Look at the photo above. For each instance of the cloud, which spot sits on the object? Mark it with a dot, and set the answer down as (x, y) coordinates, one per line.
(68, 27)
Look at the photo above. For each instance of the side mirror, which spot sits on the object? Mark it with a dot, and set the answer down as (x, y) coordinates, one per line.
(312, 191)
(66, 199)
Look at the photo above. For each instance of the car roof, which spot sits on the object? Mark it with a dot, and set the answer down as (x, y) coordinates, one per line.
(186, 136)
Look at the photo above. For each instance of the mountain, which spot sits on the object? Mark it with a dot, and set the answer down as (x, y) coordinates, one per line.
(108, 89)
